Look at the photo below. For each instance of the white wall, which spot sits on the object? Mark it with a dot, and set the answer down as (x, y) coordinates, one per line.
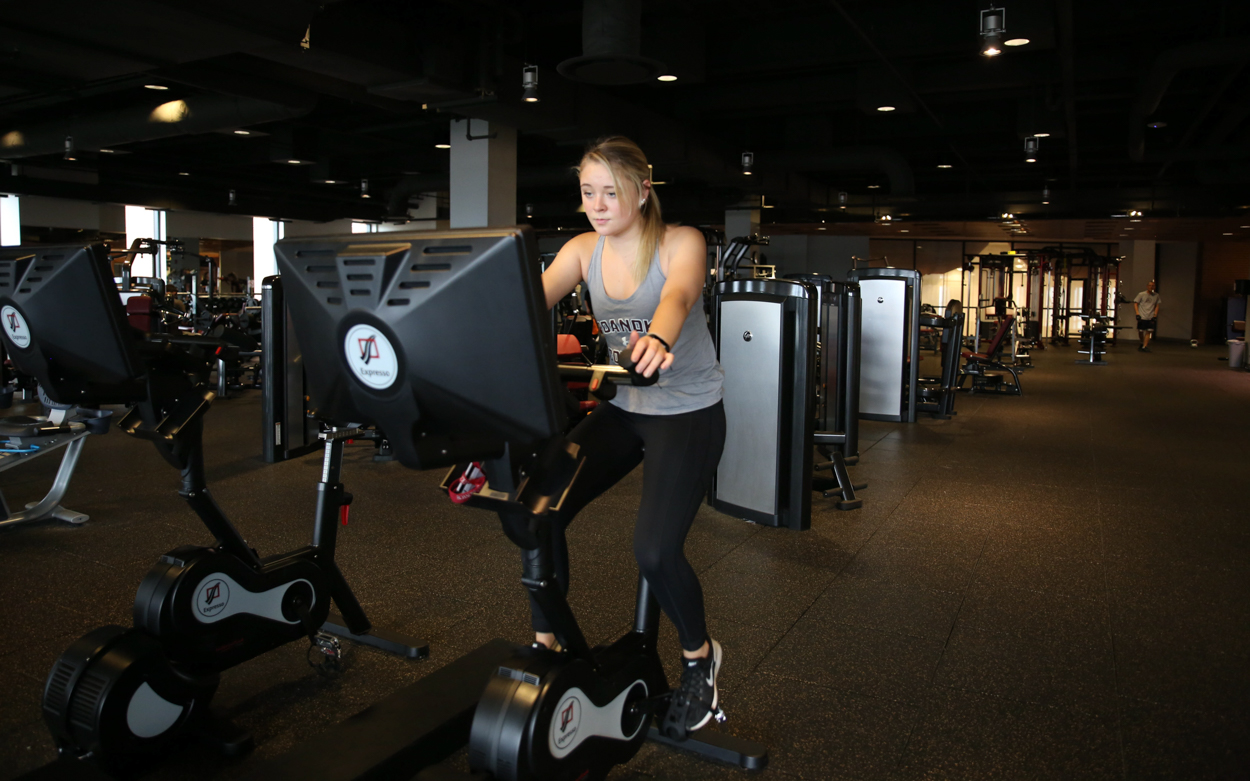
(1178, 276)
(206, 225)
(64, 213)
(297, 228)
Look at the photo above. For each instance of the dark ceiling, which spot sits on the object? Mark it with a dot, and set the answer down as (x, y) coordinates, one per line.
(796, 83)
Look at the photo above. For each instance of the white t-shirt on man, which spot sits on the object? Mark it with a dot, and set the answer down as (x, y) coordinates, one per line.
(1147, 304)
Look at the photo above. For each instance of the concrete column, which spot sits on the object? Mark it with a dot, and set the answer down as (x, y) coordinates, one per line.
(741, 222)
(1137, 268)
(483, 174)
(1178, 276)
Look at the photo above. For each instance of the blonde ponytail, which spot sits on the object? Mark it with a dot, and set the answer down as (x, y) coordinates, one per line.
(629, 169)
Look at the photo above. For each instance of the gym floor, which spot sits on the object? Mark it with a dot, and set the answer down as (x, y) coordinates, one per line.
(1049, 586)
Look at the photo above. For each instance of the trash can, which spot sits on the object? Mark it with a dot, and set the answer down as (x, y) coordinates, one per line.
(1236, 353)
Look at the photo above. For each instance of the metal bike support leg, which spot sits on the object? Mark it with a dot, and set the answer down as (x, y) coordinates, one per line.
(50, 505)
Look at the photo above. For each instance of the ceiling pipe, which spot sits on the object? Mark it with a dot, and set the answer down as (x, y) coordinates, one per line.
(1224, 51)
(611, 45)
(189, 116)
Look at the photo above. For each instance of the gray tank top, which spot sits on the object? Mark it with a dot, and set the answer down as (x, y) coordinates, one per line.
(694, 380)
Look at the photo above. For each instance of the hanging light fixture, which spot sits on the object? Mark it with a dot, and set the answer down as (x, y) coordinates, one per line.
(993, 25)
(1046, 195)
(748, 161)
(364, 188)
(232, 200)
(1030, 149)
(69, 149)
(529, 80)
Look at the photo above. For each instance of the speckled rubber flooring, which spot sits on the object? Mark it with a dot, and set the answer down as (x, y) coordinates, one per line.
(1051, 586)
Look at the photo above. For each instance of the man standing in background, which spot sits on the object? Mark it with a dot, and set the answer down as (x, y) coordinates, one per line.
(1146, 307)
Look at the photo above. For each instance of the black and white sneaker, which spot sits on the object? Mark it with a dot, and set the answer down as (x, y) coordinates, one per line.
(696, 701)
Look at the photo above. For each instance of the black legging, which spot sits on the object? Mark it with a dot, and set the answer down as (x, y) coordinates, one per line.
(680, 453)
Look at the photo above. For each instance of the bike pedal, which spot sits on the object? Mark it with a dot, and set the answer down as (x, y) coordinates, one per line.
(325, 654)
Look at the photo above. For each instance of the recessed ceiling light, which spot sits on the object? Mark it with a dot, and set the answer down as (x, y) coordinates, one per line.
(243, 132)
(821, 228)
(1016, 42)
(874, 187)
(329, 181)
(904, 230)
(666, 77)
(1245, 226)
(155, 86)
(1045, 203)
(885, 108)
(106, 151)
(1041, 135)
(294, 162)
(1228, 234)
(442, 146)
(944, 165)
(1030, 159)
(183, 173)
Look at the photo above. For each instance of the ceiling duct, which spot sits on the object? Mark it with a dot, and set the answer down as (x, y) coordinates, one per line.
(611, 45)
(190, 116)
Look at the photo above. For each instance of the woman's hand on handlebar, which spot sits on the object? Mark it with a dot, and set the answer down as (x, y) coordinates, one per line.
(648, 354)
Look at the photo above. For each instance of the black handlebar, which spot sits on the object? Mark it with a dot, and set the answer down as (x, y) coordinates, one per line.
(603, 377)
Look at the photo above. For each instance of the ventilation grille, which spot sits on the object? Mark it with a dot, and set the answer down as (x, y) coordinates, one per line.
(46, 263)
(323, 273)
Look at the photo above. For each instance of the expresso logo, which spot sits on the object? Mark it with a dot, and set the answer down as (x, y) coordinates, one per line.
(371, 357)
(567, 721)
(15, 327)
(212, 597)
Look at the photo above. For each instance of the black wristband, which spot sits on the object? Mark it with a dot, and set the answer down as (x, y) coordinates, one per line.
(658, 339)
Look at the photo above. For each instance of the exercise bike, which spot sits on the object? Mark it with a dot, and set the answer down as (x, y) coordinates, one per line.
(387, 357)
(121, 693)
(578, 712)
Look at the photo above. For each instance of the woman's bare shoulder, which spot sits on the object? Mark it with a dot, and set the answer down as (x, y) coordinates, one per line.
(583, 243)
(680, 236)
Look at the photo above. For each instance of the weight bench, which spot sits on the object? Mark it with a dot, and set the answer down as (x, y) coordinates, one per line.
(986, 369)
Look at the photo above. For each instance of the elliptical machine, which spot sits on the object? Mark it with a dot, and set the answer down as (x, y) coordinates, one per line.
(388, 359)
(120, 693)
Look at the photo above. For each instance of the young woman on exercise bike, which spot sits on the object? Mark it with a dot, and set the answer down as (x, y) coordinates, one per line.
(646, 283)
